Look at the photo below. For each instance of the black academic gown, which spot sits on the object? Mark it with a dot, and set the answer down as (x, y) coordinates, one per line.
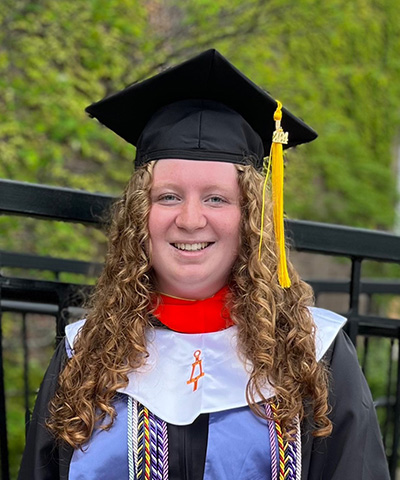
(353, 451)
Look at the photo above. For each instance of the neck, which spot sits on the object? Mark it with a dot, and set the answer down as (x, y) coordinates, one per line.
(194, 316)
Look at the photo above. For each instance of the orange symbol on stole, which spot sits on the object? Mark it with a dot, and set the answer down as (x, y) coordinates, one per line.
(196, 365)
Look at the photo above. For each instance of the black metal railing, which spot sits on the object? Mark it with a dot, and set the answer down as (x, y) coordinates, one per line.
(60, 299)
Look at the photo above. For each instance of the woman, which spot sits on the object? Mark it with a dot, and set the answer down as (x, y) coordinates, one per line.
(200, 357)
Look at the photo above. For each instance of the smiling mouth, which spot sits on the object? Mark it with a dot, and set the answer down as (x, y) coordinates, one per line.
(191, 247)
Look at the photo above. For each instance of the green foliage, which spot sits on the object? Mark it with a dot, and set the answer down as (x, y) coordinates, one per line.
(40, 342)
(334, 63)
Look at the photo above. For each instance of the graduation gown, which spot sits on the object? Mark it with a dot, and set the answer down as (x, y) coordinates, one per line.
(197, 449)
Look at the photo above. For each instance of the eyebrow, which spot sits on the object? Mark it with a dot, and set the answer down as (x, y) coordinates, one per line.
(164, 185)
(176, 186)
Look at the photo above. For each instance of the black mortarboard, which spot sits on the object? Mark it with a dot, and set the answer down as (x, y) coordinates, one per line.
(202, 109)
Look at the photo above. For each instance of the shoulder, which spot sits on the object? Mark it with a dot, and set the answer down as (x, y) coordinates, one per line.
(354, 449)
(328, 325)
(71, 332)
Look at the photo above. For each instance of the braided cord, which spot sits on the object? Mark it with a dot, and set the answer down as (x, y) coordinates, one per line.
(160, 448)
(273, 442)
(289, 451)
(290, 460)
(293, 454)
(146, 444)
(165, 450)
(135, 432)
(298, 449)
(141, 449)
(280, 443)
(153, 446)
(131, 435)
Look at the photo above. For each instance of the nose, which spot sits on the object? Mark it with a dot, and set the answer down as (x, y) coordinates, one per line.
(191, 216)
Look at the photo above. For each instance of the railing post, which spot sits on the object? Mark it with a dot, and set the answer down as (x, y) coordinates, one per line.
(5, 471)
(365, 356)
(389, 409)
(26, 372)
(64, 297)
(396, 425)
(355, 288)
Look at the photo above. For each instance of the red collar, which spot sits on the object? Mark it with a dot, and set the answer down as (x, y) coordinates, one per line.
(195, 316)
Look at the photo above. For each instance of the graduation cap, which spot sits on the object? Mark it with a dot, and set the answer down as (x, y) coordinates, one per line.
(206, 109)
(201, 109)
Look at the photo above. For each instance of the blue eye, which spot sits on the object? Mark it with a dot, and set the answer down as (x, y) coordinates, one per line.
(216, 199)
(168, 197)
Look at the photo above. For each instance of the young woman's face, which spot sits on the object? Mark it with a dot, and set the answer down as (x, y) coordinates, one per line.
(194, 226)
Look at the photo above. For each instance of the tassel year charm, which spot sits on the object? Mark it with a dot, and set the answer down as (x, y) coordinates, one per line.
(279, 138)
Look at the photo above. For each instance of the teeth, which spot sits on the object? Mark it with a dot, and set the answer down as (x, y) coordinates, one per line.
(191, 247)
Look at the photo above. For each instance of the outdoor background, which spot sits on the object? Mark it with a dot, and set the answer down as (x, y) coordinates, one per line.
(334, 63)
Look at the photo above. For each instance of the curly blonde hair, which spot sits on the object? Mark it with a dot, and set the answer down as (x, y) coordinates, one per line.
(275, 329)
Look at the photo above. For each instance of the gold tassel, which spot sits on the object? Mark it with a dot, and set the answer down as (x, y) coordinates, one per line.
(279, 137)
